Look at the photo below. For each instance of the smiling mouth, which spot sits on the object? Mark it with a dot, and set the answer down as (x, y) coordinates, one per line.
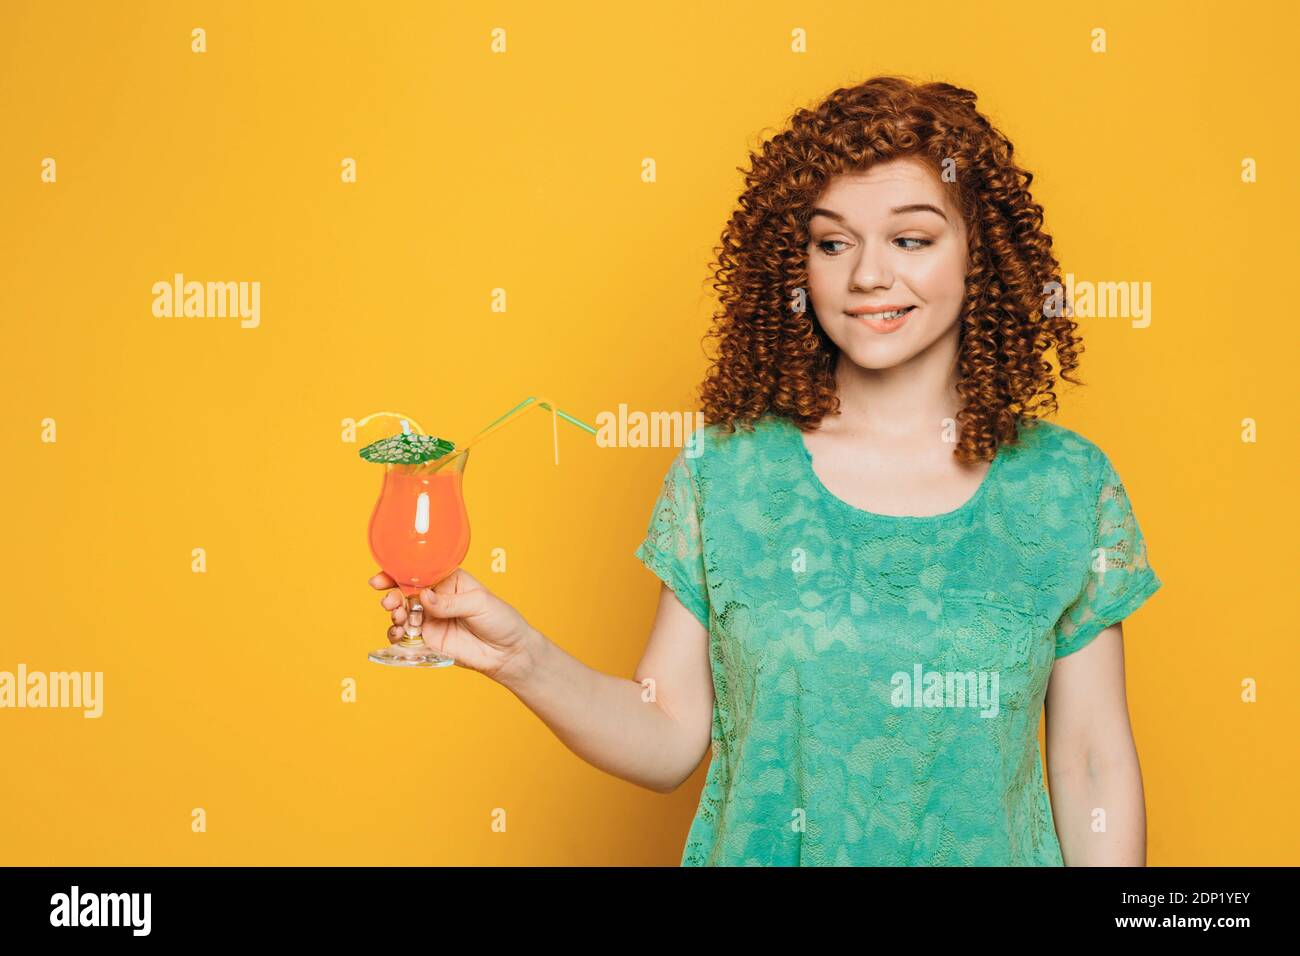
(883, 321)
(883, 316)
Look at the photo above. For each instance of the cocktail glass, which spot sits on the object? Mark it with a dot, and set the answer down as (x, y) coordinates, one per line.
(419, 534)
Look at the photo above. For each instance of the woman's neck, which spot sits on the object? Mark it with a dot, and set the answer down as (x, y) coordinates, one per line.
(898, 403)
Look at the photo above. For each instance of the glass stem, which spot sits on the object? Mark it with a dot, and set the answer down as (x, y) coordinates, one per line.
(414, 620)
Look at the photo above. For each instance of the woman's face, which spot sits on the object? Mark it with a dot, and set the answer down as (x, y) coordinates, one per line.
(886, 238)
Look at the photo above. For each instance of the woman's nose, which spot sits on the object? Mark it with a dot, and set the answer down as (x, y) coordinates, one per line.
(872, 269)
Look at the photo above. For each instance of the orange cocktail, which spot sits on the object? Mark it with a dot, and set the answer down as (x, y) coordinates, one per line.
(419, 531)
(419, 534)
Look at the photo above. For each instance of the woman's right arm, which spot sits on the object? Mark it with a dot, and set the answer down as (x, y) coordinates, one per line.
(653, 730)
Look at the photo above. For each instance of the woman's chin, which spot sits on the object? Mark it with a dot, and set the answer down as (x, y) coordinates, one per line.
(878, 356)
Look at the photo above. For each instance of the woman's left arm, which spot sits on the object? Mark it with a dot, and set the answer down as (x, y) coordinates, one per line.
(1093, 775)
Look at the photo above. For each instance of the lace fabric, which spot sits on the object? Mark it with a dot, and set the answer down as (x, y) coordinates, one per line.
(1119, 576)
(878, 680)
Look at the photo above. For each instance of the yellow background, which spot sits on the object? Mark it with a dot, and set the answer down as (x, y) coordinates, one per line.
(522, 171)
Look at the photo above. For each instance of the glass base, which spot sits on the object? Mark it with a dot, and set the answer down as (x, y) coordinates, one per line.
(398, 656)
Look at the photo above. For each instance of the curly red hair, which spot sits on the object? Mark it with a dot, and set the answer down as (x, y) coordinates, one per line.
(772, 358)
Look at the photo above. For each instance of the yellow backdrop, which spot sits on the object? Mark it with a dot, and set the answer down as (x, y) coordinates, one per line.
(223, 156)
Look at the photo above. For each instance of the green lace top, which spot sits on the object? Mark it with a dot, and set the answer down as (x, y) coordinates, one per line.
(878, 680)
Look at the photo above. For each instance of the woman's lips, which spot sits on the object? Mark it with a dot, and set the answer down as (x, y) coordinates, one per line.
(883, 325)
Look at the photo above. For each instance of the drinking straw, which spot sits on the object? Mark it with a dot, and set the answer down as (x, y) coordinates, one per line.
(511, 415)
(532, 401)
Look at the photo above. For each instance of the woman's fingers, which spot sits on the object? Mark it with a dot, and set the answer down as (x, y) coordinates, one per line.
(393, 602)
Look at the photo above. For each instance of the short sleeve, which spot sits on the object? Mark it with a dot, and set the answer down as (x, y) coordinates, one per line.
(673, 546)
(1120, 577)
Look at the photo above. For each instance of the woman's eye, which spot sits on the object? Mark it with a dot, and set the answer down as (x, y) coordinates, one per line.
(920, 244)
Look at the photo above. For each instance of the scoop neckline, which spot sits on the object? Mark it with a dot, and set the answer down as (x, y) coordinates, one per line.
(969, 505)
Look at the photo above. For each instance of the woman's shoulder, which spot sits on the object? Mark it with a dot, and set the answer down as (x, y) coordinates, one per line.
(1044, 444)
(720, 455)
(720, 440)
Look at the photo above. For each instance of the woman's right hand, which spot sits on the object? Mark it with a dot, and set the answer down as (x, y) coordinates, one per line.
(465, 621)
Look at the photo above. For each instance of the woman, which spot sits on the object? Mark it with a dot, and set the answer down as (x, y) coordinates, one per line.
(878, 561)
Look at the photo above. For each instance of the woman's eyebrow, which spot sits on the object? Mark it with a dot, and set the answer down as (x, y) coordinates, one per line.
(896, 211)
